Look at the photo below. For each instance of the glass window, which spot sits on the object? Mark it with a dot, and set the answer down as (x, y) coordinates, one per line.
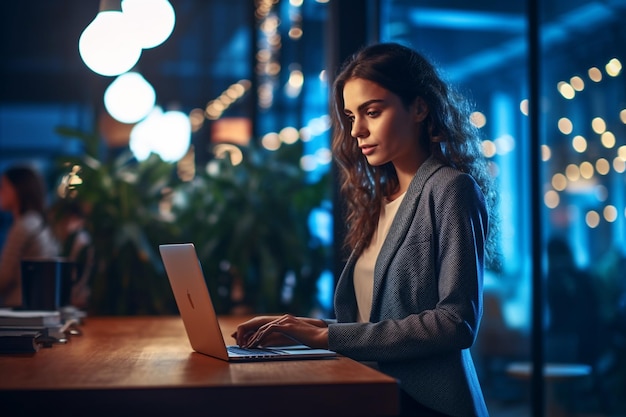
(583, 128)
(483, 50)
(292, 110)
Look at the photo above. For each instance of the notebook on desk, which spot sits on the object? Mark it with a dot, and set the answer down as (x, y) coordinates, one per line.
(186, 278)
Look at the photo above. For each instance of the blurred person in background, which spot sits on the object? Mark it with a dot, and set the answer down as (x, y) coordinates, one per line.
(574, 328)
(23, 195)
(69, 220)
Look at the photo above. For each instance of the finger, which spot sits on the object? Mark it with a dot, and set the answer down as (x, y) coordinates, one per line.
(254, 340)
(239, 334)
(241, 338)
(277, 331)
(259, 336)
(247, 328)
(276, 340)
(250, 333)
(251, 324)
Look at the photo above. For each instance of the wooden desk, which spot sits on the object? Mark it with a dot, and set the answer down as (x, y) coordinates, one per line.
(144, 366)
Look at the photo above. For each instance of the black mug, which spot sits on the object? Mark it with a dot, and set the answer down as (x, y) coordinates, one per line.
(46, 283)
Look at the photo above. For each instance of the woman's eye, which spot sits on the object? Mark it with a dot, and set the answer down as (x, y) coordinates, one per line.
(373, 113)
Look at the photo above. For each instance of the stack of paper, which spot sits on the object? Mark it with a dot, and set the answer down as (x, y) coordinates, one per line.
(24, 331)
(29, 318)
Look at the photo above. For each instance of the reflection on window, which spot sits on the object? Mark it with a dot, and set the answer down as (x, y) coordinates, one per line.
(482, 49)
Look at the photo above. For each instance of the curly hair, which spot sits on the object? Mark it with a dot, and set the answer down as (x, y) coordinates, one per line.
(450, 136)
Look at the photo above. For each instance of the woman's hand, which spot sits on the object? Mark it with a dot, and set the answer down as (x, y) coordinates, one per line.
(284, 330)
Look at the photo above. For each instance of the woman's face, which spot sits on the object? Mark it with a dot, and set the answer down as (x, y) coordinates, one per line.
(8, 196)
(385, 129)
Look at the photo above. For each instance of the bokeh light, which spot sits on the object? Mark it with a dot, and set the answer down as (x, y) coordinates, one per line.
(151, 21)
(129, 98)
(105, 46)
(165, 134)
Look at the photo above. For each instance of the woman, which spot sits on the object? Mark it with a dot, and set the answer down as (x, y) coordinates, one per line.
(22, 193)
(418, 197)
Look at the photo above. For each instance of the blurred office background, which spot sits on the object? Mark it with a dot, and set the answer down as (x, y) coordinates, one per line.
(249, 176)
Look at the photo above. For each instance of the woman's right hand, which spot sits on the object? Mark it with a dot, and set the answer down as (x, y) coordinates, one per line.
(245, 331)
(282, 331)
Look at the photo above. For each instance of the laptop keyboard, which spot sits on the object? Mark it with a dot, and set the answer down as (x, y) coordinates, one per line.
(252, 352)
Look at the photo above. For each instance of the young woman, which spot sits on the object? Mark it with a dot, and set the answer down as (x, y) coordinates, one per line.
(22, 193)
(418, 200)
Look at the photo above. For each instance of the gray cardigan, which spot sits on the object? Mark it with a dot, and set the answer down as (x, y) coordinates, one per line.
(427, 301)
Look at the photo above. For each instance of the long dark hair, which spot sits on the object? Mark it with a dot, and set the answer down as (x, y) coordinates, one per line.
(450, 136)
(29, 188)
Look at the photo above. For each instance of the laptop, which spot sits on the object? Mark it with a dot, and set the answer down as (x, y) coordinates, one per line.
(184, 272)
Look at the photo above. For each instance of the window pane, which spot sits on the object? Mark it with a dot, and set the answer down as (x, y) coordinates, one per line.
(291, 119)
(584, 96)
(482, 50)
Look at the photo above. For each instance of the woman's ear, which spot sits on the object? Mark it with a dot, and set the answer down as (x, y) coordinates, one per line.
(420, 109)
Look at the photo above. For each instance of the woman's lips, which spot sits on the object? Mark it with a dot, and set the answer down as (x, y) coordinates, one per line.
(367, 149)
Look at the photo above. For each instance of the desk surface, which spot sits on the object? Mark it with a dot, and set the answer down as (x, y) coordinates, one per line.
(146, 364)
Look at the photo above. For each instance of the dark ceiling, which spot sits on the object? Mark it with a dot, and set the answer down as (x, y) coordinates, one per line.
(40, 59)
(209, 48)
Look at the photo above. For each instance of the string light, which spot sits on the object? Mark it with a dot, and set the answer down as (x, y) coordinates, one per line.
(573, 173)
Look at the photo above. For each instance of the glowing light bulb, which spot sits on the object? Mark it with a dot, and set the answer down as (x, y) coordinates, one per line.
(175, 136)
(129, 98)
(105, 45)
(152, 20)
(165, 134)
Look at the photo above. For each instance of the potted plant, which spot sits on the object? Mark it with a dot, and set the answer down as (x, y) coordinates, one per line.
(249, 223)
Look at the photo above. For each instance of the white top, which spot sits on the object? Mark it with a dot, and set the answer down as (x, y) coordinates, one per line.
(364, 267)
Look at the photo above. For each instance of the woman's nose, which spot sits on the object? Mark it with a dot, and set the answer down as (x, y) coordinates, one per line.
(358, 129)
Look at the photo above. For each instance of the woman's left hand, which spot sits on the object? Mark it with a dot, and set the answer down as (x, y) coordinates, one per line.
(286, 330)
